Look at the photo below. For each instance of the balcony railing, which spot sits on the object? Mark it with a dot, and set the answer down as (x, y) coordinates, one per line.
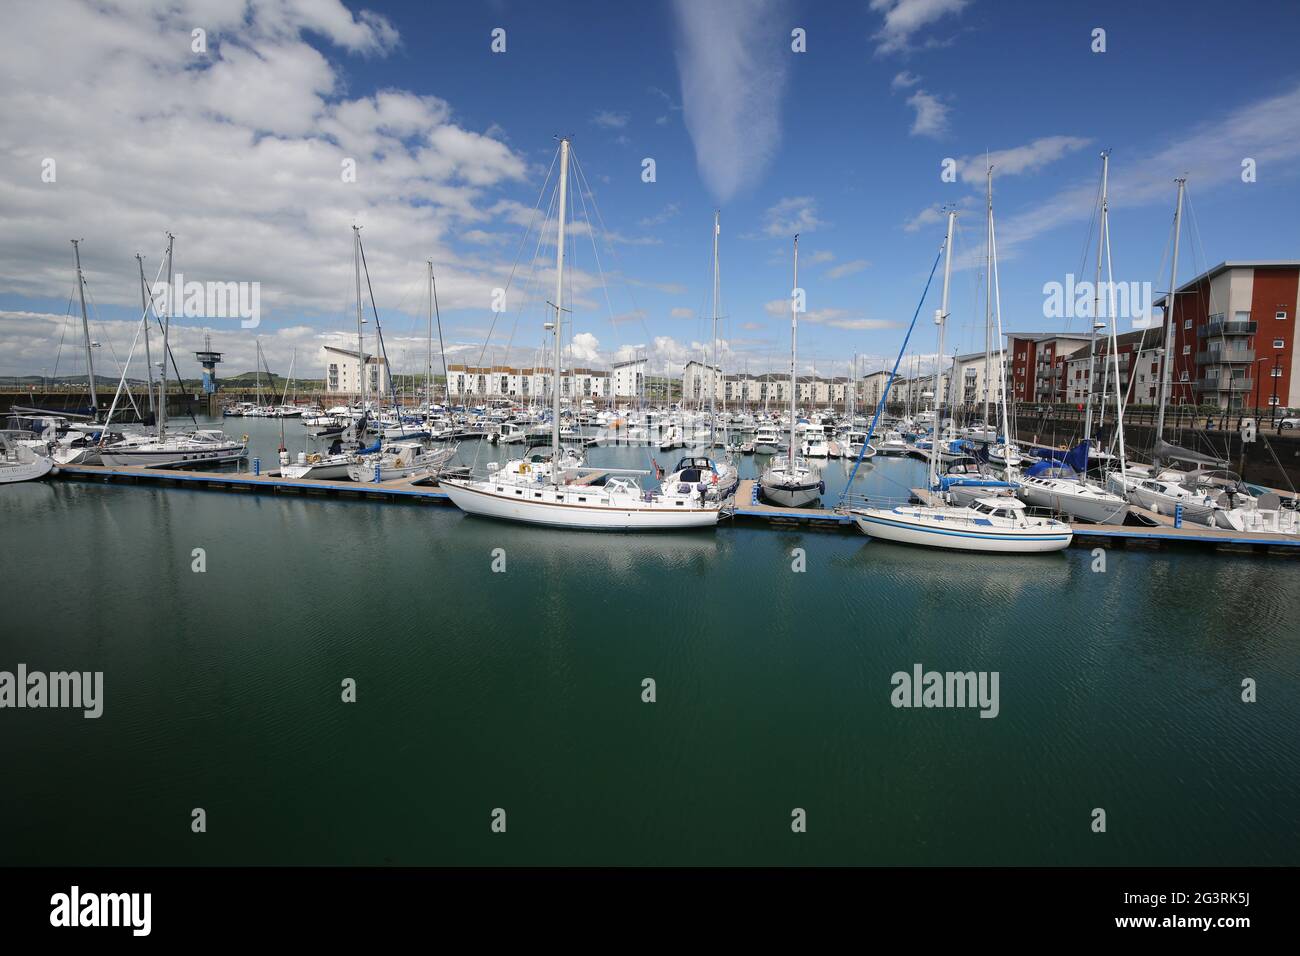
(1221, 356)
(1223, 384)
(1227, 327)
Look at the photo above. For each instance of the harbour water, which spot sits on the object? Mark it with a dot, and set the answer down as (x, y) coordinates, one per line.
(522, 689)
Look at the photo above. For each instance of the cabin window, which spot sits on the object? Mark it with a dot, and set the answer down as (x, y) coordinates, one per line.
(582, 499)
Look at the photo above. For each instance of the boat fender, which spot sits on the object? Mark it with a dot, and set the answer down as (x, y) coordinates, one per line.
(244, 439)
(525, 468)
(821, 487)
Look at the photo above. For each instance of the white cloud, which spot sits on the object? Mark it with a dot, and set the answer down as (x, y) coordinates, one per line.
(239, 152)
(934, 214)
(794, 214)
(847, 269)
(585, 347)
(1209, 154)
(926, 217)
(732, 70)
(681, 312)
(669, 211)
(904, 18)
(904, 81)
(608, 119)
(830, 317)
(1019, 159)
(931, 114)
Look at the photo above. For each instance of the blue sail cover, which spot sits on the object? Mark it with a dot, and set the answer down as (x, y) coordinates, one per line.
(1076, 458)
(962, 481)
(1051, 468)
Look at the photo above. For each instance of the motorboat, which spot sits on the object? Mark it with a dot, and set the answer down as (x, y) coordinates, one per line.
(992, 524)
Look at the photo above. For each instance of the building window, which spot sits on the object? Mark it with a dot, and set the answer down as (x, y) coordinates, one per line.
(1279, 343)
(1276, 373)
(1182, 376)
(1187, 350)
(1187, 323)
(1280, 314)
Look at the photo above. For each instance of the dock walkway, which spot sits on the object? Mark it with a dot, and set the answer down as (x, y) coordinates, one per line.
(749, 507)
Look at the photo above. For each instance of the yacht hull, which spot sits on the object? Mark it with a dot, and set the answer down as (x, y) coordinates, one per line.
(1097, 509)
(144, 458)
(903, 526)
(38, 467)
(791, 496)
(573, 514)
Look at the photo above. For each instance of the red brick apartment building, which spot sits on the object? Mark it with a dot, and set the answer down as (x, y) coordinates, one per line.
(1235, 330)
(1036, 363)
(1234, 336)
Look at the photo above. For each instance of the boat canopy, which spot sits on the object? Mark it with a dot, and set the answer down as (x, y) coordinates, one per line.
(1075, 458)
(966, 481)
(1164, 451)
(1050, 468)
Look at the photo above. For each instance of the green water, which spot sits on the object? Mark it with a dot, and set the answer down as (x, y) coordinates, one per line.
(522, 690)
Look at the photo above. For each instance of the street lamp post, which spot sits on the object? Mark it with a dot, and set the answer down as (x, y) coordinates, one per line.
(1257, 364)
(1272, 415)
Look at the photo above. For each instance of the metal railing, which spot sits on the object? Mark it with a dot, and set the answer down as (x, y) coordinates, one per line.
(1227, 327)
(1223, 356)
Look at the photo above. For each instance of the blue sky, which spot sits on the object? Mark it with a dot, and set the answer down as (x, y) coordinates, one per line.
(843, 142)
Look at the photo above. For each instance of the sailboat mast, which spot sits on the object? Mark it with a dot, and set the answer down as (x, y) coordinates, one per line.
(361, 344)
(85, 328)
(167, 322)
(988, 298)
(940, 316)
(144, 308)
(1096, 305)
(559, 309)
(794, 351)
(428, 371)
(1114, 345)
(1166, 374)
(713, 373)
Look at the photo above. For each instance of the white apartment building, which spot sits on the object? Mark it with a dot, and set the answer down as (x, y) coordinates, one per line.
(971, 386)
(701, 382)
(343, 372)
(523, 384)
(629, 378)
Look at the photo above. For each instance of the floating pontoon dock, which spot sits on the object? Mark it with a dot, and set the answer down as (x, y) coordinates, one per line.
(749, 507)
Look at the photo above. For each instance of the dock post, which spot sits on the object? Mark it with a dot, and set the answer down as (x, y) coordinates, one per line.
(257, 467)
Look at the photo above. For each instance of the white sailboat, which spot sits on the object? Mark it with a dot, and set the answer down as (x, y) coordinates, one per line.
(399, 460)
(21, 462)
(204, 446)
(1077, 495)
(987, 524)
(790, 480)
(548, 489)
(718, 478)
